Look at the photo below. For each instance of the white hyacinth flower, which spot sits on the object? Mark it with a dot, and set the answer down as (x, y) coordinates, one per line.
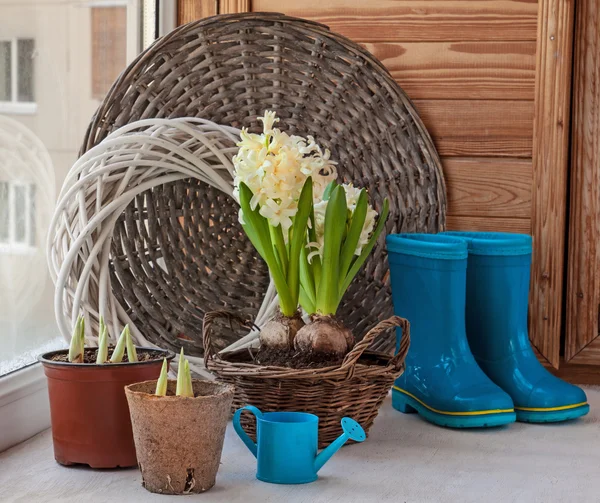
(275, 165)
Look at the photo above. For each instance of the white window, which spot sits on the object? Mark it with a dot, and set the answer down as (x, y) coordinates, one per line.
(17, 216)
(17, 76)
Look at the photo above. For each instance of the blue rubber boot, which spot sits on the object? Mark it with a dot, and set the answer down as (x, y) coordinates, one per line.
(442, 381)
(497, 293)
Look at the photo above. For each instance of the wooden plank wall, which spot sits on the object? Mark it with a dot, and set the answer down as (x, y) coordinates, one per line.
(109, 47)
(470, 68)
(188, 11)
(550, 174)
(583, 292)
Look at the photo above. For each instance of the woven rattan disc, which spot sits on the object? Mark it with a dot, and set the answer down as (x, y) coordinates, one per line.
(230, 69)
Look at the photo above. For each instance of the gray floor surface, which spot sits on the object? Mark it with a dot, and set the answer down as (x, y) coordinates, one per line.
(404, 460)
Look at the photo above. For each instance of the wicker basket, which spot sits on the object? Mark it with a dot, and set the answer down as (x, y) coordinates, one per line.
(356, 388)
(230, 69)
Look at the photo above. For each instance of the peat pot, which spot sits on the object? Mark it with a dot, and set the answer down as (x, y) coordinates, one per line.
(88, 409)
(179, 439)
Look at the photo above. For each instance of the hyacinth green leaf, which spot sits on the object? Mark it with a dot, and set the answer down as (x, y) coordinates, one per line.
(102, 354)
(298, 239)
(77, 345)
(315, 263)
(307, 280)
(276, 254)
(288, 245)
(254, 239)
(306, 302)
(260, 232)
(357, 264)
(119, 351)
(335, 223)
(131, 351)
(279, 246)
(161, 384)
(351, 242)
(329, 189)
(253, 218)
(255, 225)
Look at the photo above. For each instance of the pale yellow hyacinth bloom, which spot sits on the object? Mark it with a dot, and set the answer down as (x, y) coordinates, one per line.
(275, 165)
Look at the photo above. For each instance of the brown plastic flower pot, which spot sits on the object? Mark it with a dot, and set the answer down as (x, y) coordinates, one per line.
(88, 409)
(179, 439)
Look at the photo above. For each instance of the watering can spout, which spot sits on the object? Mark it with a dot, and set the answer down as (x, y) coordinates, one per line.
(352, 431)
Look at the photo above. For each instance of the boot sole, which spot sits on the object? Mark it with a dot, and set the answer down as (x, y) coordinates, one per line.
(407, 404)
(551, 415)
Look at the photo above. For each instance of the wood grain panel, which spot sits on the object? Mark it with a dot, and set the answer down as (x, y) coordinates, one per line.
(233, 6)
(589, 354)
(488, 187)
(462, 128)
(577, 374)
(468, 223)
(416, 20)
(192, 10)
(583, 283)
(550, 158)
(109, 47)
(461, 70)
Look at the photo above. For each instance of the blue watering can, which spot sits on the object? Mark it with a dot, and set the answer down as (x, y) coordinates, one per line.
(286, 447)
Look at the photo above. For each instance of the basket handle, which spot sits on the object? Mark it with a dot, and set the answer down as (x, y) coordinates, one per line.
(398, 359)
(209, 318)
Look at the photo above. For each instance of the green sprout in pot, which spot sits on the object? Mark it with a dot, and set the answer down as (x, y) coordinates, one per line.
(184, 379)
(131, 351)
(77, 346)
(161, 384)
(125, 342)
(102, 355)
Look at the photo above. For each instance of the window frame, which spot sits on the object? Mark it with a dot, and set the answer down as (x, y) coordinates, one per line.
(14, 106)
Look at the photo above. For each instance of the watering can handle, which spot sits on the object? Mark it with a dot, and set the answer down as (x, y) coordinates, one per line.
(237, 426)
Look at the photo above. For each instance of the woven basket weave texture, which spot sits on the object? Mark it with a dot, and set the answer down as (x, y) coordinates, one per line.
(355, 388)
(230, 69)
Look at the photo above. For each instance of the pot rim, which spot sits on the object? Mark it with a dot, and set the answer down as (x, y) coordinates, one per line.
(45, 360)
(225, 389)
